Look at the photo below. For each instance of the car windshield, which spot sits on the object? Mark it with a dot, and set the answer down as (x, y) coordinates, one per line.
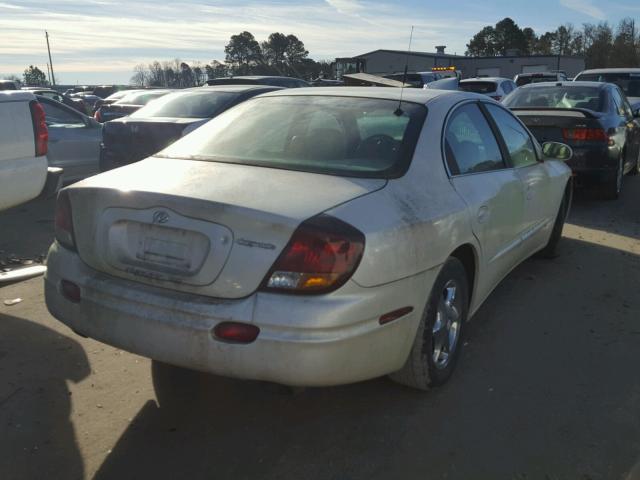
(140, 98)
(629, 82)
(590, 98)
(346, 136)
(187, 104)
(479, 87)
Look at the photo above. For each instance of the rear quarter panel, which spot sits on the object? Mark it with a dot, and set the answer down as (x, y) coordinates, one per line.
(415, 222)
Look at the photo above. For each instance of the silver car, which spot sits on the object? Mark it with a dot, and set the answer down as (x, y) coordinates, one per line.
(310, 237)
(74, 140)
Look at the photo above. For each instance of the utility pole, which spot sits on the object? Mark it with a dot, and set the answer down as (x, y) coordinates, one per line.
(53, 77)
(49, 73)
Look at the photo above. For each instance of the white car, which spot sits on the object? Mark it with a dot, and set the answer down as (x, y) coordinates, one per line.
(494, 87)
(24, 171)
(310, 237)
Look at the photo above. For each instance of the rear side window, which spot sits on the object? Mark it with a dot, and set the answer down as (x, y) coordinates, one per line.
(470, 145)
(518, 141)
(479, 87)
(347, 136)
(507, 87)
(200, 104)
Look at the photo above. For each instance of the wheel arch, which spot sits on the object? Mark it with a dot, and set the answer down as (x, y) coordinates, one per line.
(468, 256)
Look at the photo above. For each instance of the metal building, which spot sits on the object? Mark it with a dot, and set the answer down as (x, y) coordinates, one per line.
(382, 62)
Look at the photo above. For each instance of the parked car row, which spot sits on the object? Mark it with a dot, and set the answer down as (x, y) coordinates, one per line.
(596, 114)
(282, 231)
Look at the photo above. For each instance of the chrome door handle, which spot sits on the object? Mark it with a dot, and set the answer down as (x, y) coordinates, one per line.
(483, 214)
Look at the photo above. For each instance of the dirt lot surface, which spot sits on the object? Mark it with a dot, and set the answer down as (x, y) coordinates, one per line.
(548, 386)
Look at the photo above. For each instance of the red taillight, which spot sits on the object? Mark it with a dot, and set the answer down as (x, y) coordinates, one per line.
(585, 134)
(97, 116)
(497, 98)
(63, 221)
(320, 257)
(236, 332)
(40, 130)
(70, 291)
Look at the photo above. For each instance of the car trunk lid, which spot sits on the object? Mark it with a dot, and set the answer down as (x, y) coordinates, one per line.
(548, 124)
(209, 228)
(134, 139)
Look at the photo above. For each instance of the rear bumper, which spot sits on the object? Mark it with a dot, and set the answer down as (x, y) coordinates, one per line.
(110, 159)
(594, 165)
(306, 341)
(53, 183)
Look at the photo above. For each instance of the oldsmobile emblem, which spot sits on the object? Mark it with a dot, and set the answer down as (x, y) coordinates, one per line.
(160, 216)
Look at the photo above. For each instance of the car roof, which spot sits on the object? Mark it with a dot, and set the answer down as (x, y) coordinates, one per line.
(413, 95)
(570, 84)
(488, 79)
(255, 77)
(540, 74)
(235, 88)
(611, 70)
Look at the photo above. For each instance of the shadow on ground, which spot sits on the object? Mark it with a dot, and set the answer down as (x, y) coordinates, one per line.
(37, 438)
(621, 217)
(547, 387)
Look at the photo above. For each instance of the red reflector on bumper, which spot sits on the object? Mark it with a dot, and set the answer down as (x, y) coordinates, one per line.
(236, 332)
(391, 316)
(70, 291)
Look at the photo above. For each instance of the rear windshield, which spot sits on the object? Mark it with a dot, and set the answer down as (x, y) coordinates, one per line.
(536, 78)
(590, 98)
(201, 104)
(359, 137)
(140, 98)
(479, 87)
(628, 82)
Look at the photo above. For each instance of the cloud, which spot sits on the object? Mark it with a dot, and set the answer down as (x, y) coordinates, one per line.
(346, 6)
(584, 6)
(109, 35)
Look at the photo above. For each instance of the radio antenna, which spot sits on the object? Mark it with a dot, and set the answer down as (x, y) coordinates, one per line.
(399, 111)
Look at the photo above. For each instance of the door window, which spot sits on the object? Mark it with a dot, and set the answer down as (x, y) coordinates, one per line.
(58, 115)
(470, 144)
(621, 106)
(517, 139)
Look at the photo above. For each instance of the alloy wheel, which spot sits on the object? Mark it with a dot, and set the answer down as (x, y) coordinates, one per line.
(446, 328)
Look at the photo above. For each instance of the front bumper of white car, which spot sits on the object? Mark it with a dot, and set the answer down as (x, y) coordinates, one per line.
(304, 340)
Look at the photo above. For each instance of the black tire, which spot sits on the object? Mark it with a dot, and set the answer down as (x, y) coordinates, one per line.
(549, 251)
(421, 370)
(612, 188)
(636, 168)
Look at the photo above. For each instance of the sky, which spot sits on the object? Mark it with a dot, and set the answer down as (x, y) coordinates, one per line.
(100, 41)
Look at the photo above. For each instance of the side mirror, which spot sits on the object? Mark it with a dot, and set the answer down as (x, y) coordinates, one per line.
(557, 151)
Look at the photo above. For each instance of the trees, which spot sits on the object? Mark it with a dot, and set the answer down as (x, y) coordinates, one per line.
(599, 44)
(626, 45)
(139, 78)
(242, 52)
(498, 40)
(279, 54)
(35, 77)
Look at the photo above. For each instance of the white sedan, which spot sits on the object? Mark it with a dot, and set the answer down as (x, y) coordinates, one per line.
(310, 237)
